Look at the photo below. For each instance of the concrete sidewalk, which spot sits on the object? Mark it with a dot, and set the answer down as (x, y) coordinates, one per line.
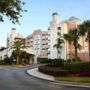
(34, 72)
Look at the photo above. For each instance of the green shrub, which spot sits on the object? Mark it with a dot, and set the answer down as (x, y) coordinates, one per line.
(52, 62)
(7, 61)
(55, 71)
(58, 62)
(43, 60)
(73, 60)
(68, 61)
(78, 67)
(1, 62)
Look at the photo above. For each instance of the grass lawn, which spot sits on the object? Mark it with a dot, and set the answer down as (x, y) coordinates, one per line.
(74, 79)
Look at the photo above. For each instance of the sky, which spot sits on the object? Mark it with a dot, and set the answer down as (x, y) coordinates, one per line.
(39, 15)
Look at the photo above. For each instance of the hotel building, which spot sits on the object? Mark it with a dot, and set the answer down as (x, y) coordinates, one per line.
(38, 41)
(41, 43)
(57, 29)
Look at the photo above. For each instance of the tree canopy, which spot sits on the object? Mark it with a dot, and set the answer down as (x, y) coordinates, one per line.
(73, 37)
(12, 9)
(2, 48)
(19, 44)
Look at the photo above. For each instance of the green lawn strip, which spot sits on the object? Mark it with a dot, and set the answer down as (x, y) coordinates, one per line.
(74, 79)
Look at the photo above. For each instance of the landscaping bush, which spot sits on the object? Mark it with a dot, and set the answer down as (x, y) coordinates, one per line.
(1, 62)
(7, 61)
(52, 62)
(68, 61)
(58, 67)
(73, 60)
(78, 69)
(58, 62)
(55, 71)
(43, 60)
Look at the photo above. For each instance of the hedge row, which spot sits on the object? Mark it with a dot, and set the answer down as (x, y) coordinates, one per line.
(77, 67)
(74, 69)
(52, 62)
(55, 71)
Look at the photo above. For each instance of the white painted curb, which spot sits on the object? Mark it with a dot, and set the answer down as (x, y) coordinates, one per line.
(34, 72)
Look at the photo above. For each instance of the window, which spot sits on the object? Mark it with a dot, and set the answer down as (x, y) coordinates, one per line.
(31, 37)
(43, 44)
(43, 48)
(43, 34)
(31, 41)
(46, 49)
(43, 39)
(37, 48)
(48, 34)
(48, 52)
(59, 33)
(59, 28)
(27, 42)
(30, 45)
(46, 43)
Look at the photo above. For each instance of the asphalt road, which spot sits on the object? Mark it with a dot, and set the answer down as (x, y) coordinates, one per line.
(12, 78)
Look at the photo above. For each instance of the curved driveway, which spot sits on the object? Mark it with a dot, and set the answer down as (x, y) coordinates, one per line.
(12, 78)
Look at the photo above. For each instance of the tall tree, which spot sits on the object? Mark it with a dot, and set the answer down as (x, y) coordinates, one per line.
(58, 45)
(68, 39)
(85, 31)
(73, 36)
(18, 45)
(12, 9)
(2, 48)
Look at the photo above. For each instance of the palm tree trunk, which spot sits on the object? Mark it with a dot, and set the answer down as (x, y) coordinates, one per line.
(75, 45)
(57, 54)
(89, 46)
(66, 49)
(17, 61)
(70, 52)
(75, 52)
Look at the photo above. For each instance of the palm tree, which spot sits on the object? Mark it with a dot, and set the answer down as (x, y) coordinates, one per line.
(18, 45)
(68, 39)
(59, 45)
(85, 31)
(73, 37)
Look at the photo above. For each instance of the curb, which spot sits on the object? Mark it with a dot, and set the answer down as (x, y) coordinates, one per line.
(64, 83)
(76, 84)
(40, 77)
